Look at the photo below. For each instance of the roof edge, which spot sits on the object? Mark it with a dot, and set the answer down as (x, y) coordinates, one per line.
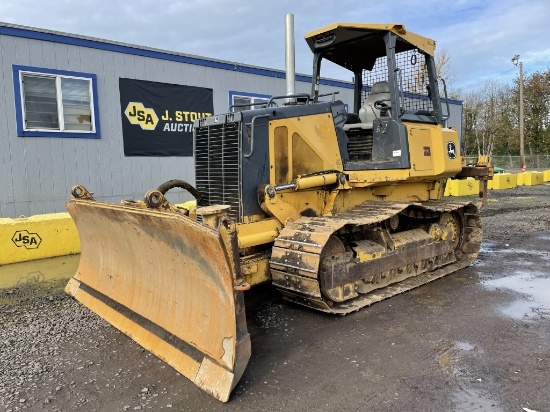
(34, 33)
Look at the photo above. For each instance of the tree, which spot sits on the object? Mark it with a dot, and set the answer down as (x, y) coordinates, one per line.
(491, 117)
(488, 120)
(417, 83)
(537, 112)
(444, 67)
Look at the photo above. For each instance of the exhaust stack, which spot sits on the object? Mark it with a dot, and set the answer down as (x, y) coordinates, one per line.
(289, 54)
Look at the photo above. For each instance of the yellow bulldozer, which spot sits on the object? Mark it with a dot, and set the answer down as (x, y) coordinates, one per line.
(337, 207)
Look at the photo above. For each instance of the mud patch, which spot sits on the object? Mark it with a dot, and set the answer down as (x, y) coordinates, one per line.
(449, 354)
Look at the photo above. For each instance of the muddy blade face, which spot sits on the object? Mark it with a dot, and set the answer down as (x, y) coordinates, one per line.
(164, 280)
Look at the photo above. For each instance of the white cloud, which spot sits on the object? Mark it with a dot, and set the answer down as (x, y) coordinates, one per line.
(480, 37)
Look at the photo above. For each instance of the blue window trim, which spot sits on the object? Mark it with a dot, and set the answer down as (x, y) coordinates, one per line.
(17, 69)
(246, 94)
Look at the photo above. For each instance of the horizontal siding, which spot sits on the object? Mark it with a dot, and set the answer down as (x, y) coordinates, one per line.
(36, 174)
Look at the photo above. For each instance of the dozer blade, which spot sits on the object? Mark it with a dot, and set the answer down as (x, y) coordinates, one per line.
(167, 281)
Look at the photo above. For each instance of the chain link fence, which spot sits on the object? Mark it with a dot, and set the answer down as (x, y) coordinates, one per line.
(541, 161)
(510, 163)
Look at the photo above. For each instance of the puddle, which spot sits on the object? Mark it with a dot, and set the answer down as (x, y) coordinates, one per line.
(510, 249)
(464, 399)
(37, 271)
(536, 287)
(469, 399)
(505, 251)
(464, 346)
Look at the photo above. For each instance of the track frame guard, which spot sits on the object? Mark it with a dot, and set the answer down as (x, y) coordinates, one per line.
(170, 283)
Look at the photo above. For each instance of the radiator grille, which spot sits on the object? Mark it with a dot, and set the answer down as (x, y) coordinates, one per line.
(217, 165)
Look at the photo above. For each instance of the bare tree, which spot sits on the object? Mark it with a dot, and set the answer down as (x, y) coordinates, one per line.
(488, 119)
(444, 67)
(417, 83)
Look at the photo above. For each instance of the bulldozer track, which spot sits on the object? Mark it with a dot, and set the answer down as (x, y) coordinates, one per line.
(297, 252)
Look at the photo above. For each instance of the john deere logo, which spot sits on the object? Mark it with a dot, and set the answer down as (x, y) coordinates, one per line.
(138, 114)
(23, 238)
(451, 150)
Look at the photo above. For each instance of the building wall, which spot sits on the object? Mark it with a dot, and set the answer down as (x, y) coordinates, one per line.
(36, 173)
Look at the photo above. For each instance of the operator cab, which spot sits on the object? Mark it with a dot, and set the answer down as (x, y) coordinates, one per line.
(394, 82)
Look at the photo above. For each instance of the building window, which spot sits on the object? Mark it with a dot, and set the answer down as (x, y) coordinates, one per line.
(55, 103)
(239, 101)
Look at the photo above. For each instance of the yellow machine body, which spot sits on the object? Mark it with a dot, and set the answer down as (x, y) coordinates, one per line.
(337, 210)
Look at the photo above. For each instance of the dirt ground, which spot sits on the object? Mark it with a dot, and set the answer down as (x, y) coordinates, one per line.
(478, 339)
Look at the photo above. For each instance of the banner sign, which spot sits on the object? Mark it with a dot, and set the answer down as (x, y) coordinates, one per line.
(157, 118)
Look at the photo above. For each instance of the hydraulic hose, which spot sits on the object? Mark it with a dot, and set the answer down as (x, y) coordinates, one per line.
(170, 184)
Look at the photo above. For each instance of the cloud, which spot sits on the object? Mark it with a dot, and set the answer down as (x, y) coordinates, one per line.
(480, 37)
(482, 45)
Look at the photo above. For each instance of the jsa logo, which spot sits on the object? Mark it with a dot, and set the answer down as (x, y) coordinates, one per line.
(23, 238)
(137, 114)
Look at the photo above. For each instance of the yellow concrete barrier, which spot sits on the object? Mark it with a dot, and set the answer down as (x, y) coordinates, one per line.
(521, 178)
(530, 178)
(447, 188)
(503, 181)
(37, 237)
(546, 175)
(462, 187)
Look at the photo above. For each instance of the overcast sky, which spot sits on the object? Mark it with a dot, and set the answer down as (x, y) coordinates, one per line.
(481, 36)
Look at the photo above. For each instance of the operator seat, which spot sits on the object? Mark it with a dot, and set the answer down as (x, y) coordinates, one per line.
(379, 91)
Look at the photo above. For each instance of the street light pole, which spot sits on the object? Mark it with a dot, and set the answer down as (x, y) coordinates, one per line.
(517, 62)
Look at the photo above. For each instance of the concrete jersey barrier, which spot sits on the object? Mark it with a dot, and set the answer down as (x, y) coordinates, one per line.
(37, 237)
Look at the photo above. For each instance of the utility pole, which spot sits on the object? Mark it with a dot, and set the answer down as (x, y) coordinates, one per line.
(517, 62)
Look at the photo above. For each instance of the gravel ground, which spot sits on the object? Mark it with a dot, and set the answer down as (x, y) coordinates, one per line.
(55, 355)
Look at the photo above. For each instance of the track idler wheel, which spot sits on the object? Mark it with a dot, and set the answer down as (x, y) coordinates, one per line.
(453, 221)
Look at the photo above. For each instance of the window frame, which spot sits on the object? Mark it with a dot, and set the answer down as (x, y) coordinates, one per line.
(233, 94)
(22, 131)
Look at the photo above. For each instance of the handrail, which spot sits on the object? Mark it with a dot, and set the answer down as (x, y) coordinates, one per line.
(289, 96)
(246, 105)
(448, 115)
(333, 94)
(252, 132)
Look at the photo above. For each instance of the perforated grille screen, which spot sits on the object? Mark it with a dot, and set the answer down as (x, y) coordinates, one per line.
(217, 157)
